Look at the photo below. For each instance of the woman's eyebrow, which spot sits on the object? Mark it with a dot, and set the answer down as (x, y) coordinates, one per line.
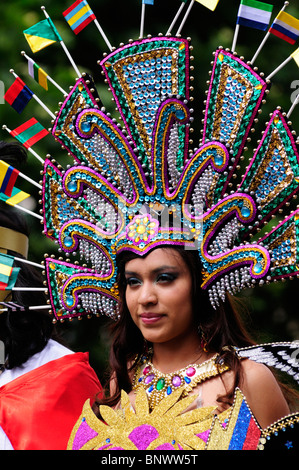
(165, 268)
(130, 273)
(154, 271)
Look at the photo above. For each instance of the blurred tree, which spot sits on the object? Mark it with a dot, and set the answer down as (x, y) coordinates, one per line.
(274, 310)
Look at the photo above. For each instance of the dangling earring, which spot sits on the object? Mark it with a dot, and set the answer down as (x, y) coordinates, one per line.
(203, 341)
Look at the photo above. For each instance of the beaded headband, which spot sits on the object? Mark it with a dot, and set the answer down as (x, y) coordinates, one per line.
(142, 186)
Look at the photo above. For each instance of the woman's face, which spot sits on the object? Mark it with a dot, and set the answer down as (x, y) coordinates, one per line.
(158, 295)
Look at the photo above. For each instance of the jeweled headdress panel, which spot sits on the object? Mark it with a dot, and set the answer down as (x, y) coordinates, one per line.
(139, 185)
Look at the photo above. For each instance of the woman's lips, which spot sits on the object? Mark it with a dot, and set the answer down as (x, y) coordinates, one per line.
(149, 318)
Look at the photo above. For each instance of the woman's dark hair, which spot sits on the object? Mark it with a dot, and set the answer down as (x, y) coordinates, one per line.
(13, 154)
(222, 328)
(23, 333)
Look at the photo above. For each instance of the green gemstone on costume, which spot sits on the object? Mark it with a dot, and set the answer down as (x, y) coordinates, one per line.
(160, 384)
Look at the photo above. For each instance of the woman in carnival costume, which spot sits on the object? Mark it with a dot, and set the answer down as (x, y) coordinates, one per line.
(167, 246)
(170, 341)
(36, 363)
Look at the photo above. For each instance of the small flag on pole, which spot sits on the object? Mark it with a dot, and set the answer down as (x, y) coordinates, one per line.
(29, 133)
(8, 274)
(267, 35)
(16, 197)
(23, 97)
(211, 4)
(42, 77)
(295, 56)
(148, 2)
(254, 14)
(18, 95)
(79, 15)
(286, 27)
(42, 35)
(36, 72)
(8, 177)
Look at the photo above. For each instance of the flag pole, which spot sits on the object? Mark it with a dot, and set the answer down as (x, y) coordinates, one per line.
(30, 289)
(48, 77)
(29, 180)
(142, 21)
(36, 98)
(65, 49)
(103, 34)
(185, 17)
(4, 127)
(296, 101)
(266, 37)
(279, 67)
(237, 28)
(176, 17)
(31, 307)
(23, 209)
(26, 261)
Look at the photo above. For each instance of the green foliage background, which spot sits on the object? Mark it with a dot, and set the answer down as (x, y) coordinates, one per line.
(273, 309)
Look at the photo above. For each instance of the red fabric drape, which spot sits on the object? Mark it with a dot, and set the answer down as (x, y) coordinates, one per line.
(39, 409)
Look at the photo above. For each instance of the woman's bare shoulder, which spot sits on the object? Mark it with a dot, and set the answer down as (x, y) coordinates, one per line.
(258, 378)
(256, 371)
(263, 393)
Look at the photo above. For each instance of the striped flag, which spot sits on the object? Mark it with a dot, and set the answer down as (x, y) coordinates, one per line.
(8, 274)
(29, 133)
(286, 27)
(42, 35)
(8, 177)
(16, 197)
(254, 14)
(18, 95)
(211, 4)
(36, 72)
(79, 15)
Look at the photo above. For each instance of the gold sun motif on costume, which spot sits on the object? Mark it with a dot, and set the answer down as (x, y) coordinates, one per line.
(171, 425)
(167, 427)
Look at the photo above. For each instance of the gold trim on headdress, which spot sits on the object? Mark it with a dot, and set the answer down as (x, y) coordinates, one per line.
(14, 241)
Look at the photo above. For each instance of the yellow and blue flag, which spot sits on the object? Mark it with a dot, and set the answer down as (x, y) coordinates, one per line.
(79, 15)
(286, 27)
(8, 177)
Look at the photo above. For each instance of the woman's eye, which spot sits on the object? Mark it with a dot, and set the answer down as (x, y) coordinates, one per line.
(165, 277)
(132, 281)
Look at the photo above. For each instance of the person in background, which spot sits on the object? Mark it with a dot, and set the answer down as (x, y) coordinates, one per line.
(43, 384)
